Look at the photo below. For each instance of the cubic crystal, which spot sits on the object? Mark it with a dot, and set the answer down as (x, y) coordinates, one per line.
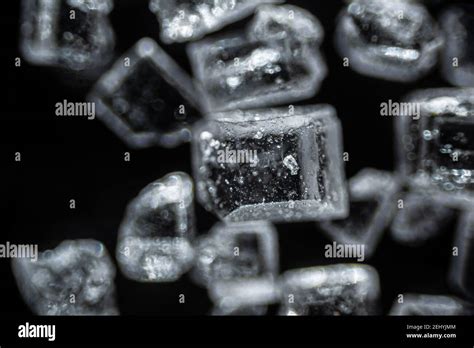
(422, 305)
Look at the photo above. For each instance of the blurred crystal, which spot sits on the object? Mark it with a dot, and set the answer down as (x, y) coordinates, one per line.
(420, 219)
(183, 20)
(394, 40)
(371, 208)
(75, 34)
(244, 297)
(237, 251)
(343, 289)
(458, 56)
(147, 99)
(461, 273)
(154, 243)
(76, 278)
(243, 173)
(435, 150)
(273, 62)
(429, 305)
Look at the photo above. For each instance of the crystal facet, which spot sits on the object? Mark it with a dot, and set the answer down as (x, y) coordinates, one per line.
(75, 34)
(154, 242)
(244, 171)
(237, 251)
(423, 305)
(394, 40)
(147, 99)
(76, 278)
(371, 208)
(343, 289)
(183, 20)
(273, 62)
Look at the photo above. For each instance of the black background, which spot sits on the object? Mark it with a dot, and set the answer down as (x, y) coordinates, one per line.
(73, 158)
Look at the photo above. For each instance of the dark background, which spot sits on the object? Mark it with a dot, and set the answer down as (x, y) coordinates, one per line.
(73, 158)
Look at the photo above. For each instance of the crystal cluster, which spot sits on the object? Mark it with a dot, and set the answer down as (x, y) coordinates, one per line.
(423, 305)
(394, 40)
(458, 56)
(154, 243)
(371, 206)
(435, 150)
(76, 278)
(74, 34)
(273, 164)
(343, 289)
(183, 20)
(275, 60)
(147, 99)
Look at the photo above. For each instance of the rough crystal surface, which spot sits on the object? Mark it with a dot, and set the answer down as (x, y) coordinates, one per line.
(236, 251)
(243, 171)
(154, 243)
(458, 56)
(183, 20)
(343, 289)
(426, 305)
(274, 61)
(147, 99)
(394, 40)
(371, 208)
(76, 278)
(75, 34)
(461, 273)
(435, 150)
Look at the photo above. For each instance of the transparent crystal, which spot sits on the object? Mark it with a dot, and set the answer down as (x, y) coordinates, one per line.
(184, 20)
(394, 40)
(244, 297)
(146, 98)
(273, 62)
(371, 208)
(236, 251)
(154, 243)
(241, 171)
(437, 148)
(75, 34)
(76, 278)
(343, 289)
(458, 56)
(461, 274)
(423, 305)
(420, 218)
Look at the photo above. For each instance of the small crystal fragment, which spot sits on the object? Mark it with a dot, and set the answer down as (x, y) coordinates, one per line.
(420, 218)
(76, 278)
(267, 64)
(458, 57)
(190, 20)
(154, 243)
(428, 305)
(371, 208)
(147, 99)
(244, 297)
(435, 150)
(394, 40)
(343, 289)
(240, 171)
(461, 273)
(75, 34)
(236, 251)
